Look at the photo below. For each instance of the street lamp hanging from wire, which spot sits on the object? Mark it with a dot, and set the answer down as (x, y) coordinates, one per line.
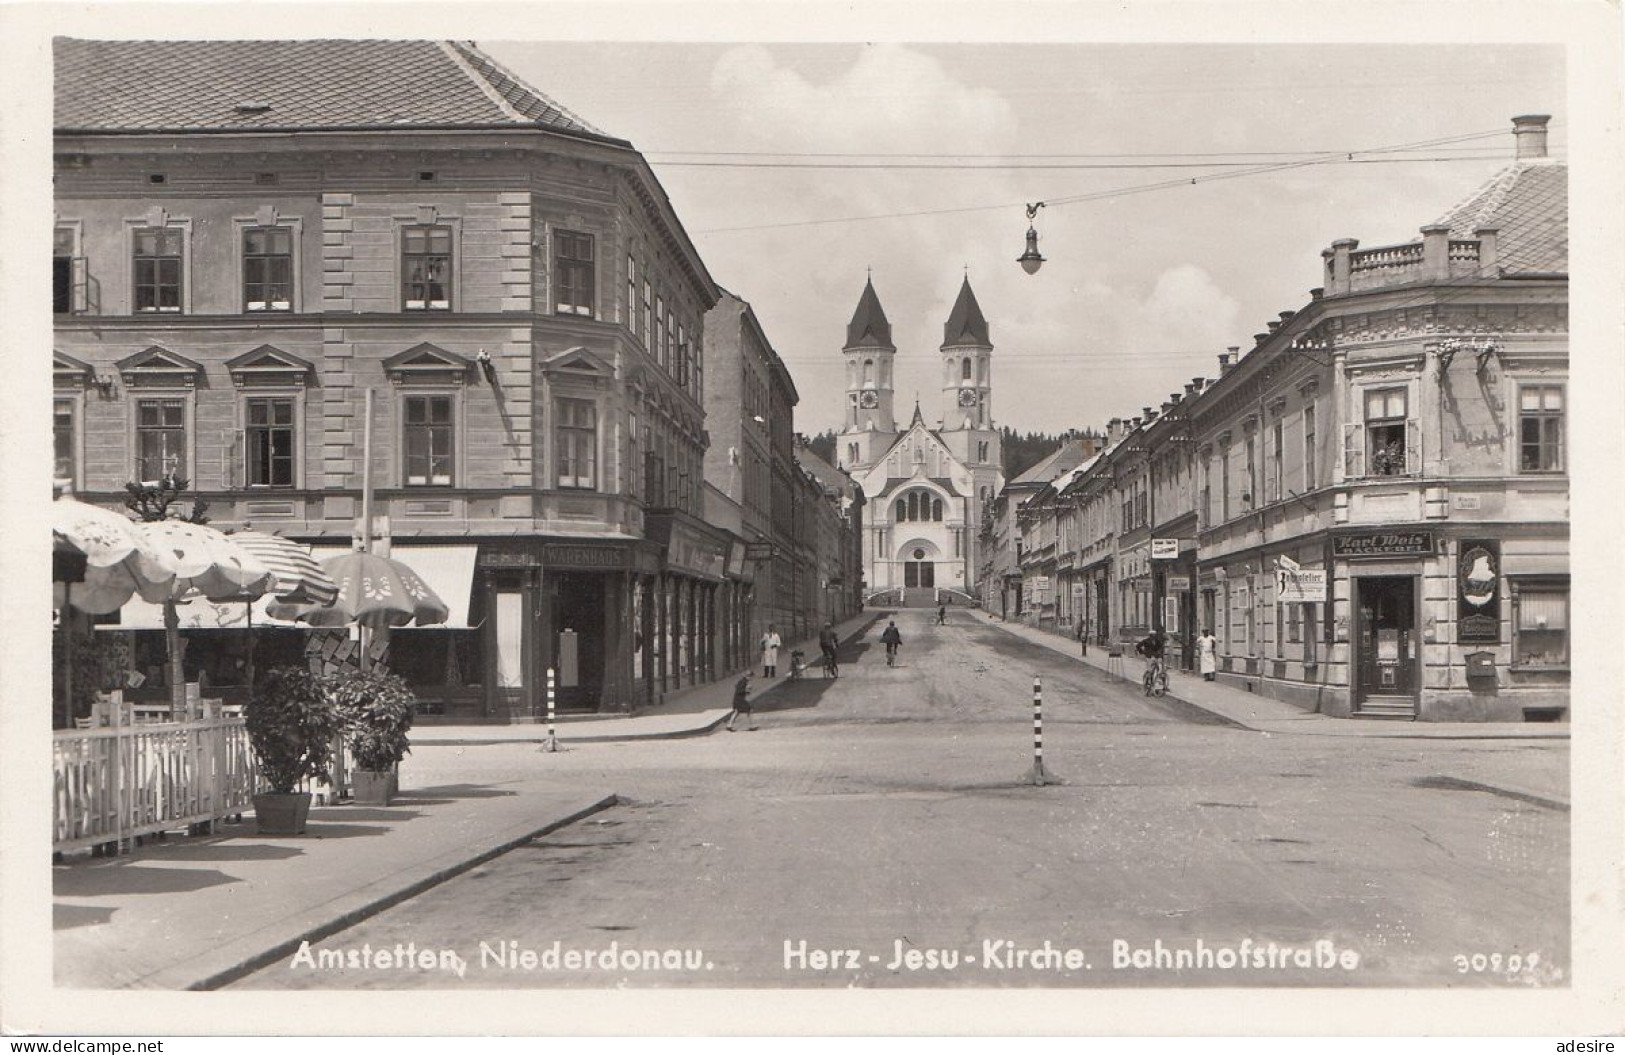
(1032, 259)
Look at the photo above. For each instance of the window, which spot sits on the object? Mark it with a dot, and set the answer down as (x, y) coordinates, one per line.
(430, 431)
(632, 294)
(868, 371)
(1540, 429)
(1252, 496)
(268, 269)
(648, 316)
(67, 460)
(1310, 479)
(662, 348)
(158, 252)
(1309, 634)
(1224, 480)
(633, 458)
(1385, 432)
(574, 268)
(426, 268)
(852, 453)
(936, 509)
(270, 437)
(683, 375)
(1540, 615)
(576, 434)
(981, 451)
(160, 438)
(1277, 463)
(902, 511)
(670, 353)
(964, 370)
(62, 271)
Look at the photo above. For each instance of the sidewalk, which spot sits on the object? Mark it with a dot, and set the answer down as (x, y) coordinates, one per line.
(690, 712)
(199, 912)
(1266, 715)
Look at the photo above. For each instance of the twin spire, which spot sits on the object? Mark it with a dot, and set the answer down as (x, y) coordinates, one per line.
(870, 328)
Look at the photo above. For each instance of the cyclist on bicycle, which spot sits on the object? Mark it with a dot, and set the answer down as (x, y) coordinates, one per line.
(828, 643)
(1153, 647)
(891, 639)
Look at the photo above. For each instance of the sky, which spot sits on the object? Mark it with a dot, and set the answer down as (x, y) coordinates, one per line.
(1140, 291)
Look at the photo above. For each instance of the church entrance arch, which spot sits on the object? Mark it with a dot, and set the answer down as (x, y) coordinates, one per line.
(919, 559)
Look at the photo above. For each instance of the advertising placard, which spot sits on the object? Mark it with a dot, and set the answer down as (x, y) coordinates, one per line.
(1304, 586)
(1478, 592)
(1164, 549)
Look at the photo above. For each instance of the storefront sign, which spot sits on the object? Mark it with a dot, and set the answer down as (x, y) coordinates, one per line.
(1179, 583)
(688, 550)
(738, 566)
(1041, 584)
(1478, 592)
(1384, 544)
(1141, 583)
(1164, 549)
(1301, 586)
(758, 551)
(587, 555)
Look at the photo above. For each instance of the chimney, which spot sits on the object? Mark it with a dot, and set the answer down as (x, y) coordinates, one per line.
(1317, 293)
(1286, 316)
(1488, 250)
(1190, 391)
(1436, 250)
(1273, 324)
(1342, 249)
(1114, 430)
(1198, 383)
(1529, 132)
(1228, 360)
(1147, 415)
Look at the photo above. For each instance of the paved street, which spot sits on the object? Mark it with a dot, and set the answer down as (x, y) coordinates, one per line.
(883, 810)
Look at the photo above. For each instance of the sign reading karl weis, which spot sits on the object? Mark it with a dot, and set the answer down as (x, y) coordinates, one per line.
(1478, 592)
(1384, 544)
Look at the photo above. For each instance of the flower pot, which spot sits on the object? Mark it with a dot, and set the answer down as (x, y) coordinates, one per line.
(372, 787)
(282, 814)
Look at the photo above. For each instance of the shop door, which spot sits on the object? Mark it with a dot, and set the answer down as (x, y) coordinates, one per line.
(1387, 648)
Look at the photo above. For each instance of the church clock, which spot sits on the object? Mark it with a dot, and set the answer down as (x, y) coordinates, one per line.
(869, 400)
(967, 397)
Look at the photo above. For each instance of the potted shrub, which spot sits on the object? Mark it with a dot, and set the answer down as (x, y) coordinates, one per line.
(291, 725)
(374, 710)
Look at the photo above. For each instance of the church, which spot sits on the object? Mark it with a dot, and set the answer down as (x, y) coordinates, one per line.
(925, 486)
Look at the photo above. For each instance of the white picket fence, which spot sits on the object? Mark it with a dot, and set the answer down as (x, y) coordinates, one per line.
(115, 783)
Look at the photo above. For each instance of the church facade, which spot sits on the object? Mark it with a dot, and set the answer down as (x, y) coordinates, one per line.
(925, 486)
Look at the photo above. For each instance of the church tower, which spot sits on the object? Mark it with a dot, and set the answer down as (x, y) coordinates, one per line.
(871, 427)
(967, 383)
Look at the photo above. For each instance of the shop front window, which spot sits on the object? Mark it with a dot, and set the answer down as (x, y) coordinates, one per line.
(1540, 613)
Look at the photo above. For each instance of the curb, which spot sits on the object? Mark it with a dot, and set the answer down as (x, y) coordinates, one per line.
(563, 738)
(1505, 791)
(350, 917)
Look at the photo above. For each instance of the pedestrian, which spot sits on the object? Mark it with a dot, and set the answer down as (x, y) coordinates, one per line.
(770, 652)
(829, 644)
(1207, 647)
(1083, 635)
(741, 703)
(942, 614)
(892, 639)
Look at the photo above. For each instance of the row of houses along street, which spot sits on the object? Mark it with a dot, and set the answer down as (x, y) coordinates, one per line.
(1368, 507)
(580, 440)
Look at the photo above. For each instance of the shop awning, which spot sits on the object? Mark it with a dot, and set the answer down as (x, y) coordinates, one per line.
(449, 571)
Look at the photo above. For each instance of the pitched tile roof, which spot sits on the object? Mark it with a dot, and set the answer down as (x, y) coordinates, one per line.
(1068, 456)
(303, 85)
(1529, 203)
(965, 323)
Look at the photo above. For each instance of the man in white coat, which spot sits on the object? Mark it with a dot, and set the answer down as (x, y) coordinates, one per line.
(1208, 649)
(770, 652)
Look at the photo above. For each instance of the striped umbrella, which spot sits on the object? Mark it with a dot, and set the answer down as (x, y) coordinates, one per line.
(297, 578)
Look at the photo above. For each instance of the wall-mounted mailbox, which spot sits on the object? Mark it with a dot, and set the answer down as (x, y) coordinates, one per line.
(1480, 666)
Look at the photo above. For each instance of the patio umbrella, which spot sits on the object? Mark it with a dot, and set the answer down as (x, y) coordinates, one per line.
(296, 578)
(177, 560)
(374, 592)
(101, 536)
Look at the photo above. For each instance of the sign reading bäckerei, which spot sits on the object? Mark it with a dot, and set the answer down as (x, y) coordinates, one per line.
(1384, 544)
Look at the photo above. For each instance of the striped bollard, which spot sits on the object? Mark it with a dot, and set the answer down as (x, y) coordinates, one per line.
(552, 741)
(1038, 776)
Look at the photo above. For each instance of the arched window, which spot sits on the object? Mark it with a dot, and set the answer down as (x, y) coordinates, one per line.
(914, 505)
(868, 370)
(902, 510)
(964, 370)
(936, 509)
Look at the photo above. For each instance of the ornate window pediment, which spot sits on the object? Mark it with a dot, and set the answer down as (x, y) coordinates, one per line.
(427, 364)
(159, 368)
(68, 372)
(577, 362)
(270, 365)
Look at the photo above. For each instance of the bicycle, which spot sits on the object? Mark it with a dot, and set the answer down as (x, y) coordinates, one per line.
(1156, 678)
(832, 665)
(891, 655)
